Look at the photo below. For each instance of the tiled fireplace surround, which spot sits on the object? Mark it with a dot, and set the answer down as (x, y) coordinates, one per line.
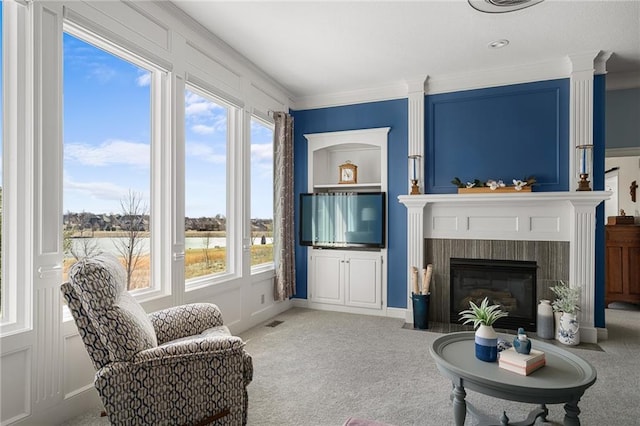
(554, 229)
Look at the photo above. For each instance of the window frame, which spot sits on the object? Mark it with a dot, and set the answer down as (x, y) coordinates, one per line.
(234, 136)
(18, 157)
(269, 123)
(160, 147)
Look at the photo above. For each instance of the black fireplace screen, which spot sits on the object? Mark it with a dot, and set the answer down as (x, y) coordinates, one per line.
(508, 283)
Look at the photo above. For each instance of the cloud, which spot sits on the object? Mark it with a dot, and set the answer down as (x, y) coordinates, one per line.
(202, 129)
(110, 152)
(261, 152)
(144, 78)
(203, 112)
(205, 153)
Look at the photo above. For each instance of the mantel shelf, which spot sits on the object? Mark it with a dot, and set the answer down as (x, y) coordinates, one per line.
(510, 198)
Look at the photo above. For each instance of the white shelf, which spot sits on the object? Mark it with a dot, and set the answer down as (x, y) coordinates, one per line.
(347, 185)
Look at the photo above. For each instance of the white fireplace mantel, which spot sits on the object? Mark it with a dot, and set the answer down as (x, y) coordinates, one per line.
(529, 216)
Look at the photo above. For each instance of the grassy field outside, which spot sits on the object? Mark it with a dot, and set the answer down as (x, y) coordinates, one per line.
(198, 263)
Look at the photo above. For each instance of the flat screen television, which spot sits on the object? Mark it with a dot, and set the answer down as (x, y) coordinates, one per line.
(343, 219)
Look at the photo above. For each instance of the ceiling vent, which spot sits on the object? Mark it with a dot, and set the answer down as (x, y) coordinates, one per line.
(501, 6)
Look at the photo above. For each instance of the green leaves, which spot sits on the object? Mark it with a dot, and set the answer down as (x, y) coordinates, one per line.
(483, 314)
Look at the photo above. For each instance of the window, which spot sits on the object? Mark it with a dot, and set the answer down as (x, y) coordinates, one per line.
(261, 193)
(107, 158)
(2, 292)
(207, 137)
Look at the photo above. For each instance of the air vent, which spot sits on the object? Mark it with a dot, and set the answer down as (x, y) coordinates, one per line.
(501, 6)
(274, 323)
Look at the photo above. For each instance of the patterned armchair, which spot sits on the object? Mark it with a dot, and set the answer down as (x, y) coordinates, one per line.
(178, 366)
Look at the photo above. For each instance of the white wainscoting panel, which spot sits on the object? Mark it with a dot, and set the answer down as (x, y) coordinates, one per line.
(78, 368)
(15, 370)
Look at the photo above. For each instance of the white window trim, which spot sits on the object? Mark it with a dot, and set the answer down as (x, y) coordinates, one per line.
(267, 122)
(234, 135)
(160, 183)
(18, 178)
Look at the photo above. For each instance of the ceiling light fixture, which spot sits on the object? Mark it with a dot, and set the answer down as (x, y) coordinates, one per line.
(501, 6)
(498, 44)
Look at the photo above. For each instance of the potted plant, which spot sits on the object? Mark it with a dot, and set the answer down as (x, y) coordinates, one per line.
(483, 317)
(566, 303)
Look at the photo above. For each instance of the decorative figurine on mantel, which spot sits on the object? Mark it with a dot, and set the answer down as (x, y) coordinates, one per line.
(521, 343)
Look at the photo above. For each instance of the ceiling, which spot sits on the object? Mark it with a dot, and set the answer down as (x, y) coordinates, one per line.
(315, 48)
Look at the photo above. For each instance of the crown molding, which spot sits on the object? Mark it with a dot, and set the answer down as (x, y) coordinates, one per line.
(623, 80)
(397, 90)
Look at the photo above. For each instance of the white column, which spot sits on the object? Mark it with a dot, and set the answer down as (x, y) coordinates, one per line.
(415, 94)
(580, 109)
(582, 263)
(415, 241)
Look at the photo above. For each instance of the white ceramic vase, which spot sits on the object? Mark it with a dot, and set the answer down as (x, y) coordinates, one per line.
(486, 343)
(545, 320)
(569, 329)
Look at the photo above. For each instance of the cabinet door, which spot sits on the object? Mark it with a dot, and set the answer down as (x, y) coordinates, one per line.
(363, 283)
(326, 278)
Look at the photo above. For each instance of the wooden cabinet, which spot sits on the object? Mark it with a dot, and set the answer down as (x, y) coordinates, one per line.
(622, 260)
(346, 277)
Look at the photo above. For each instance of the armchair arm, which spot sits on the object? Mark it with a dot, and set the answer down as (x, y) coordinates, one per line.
(184, 320)
(203, 346)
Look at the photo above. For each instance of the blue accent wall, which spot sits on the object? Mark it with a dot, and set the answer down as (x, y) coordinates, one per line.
(599, 142)
(393, 114)
(507, 132)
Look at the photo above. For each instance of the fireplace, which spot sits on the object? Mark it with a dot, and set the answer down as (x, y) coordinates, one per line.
(508, 283)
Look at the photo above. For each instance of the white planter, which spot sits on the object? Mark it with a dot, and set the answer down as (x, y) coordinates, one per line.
(486, 343)
(569, 329)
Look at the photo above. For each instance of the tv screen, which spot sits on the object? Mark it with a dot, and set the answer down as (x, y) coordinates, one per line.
(343, 219)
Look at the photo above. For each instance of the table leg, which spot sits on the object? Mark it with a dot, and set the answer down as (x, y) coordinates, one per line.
(459, 405)
(571, 412)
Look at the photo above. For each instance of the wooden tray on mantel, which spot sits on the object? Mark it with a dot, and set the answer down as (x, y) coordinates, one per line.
(487, 190)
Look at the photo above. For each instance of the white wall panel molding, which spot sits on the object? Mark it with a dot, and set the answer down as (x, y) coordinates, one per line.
(112, 32)
(533, 216)
(15, 370)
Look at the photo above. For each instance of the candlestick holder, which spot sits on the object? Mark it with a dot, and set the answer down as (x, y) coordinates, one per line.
(583, 183)
(415, 189)
(584, 163)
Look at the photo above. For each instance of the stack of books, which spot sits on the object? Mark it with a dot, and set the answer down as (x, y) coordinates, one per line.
(522, 364)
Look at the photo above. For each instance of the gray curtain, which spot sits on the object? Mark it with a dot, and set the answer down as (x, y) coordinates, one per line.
(283, 226)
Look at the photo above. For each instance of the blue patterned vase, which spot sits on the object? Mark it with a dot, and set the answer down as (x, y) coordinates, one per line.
(569, 329)
(486, 343)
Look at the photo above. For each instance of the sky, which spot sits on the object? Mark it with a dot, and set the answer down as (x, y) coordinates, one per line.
(107, 136)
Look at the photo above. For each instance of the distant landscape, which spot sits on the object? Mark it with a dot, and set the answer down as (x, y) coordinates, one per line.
(205, 253)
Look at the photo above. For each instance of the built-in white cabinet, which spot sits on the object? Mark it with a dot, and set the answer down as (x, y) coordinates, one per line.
(367, 149)
(349, 280)
(346, 278)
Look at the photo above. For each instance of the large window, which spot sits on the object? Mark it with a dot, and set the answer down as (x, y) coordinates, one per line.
(207, 136)
(107, 158)
(1, 163)
(261, 193)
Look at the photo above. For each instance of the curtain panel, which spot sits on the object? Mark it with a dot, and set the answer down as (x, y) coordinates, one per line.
(283, 203)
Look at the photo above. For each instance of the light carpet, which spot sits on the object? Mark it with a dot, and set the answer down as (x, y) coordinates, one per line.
(321, 368)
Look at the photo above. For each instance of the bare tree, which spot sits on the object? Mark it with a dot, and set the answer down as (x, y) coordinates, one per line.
(132, 222)
(206, 243)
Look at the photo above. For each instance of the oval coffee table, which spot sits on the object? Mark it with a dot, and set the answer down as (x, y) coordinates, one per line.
(563, 379)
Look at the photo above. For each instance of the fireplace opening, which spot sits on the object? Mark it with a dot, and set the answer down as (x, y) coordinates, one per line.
(508, 283)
